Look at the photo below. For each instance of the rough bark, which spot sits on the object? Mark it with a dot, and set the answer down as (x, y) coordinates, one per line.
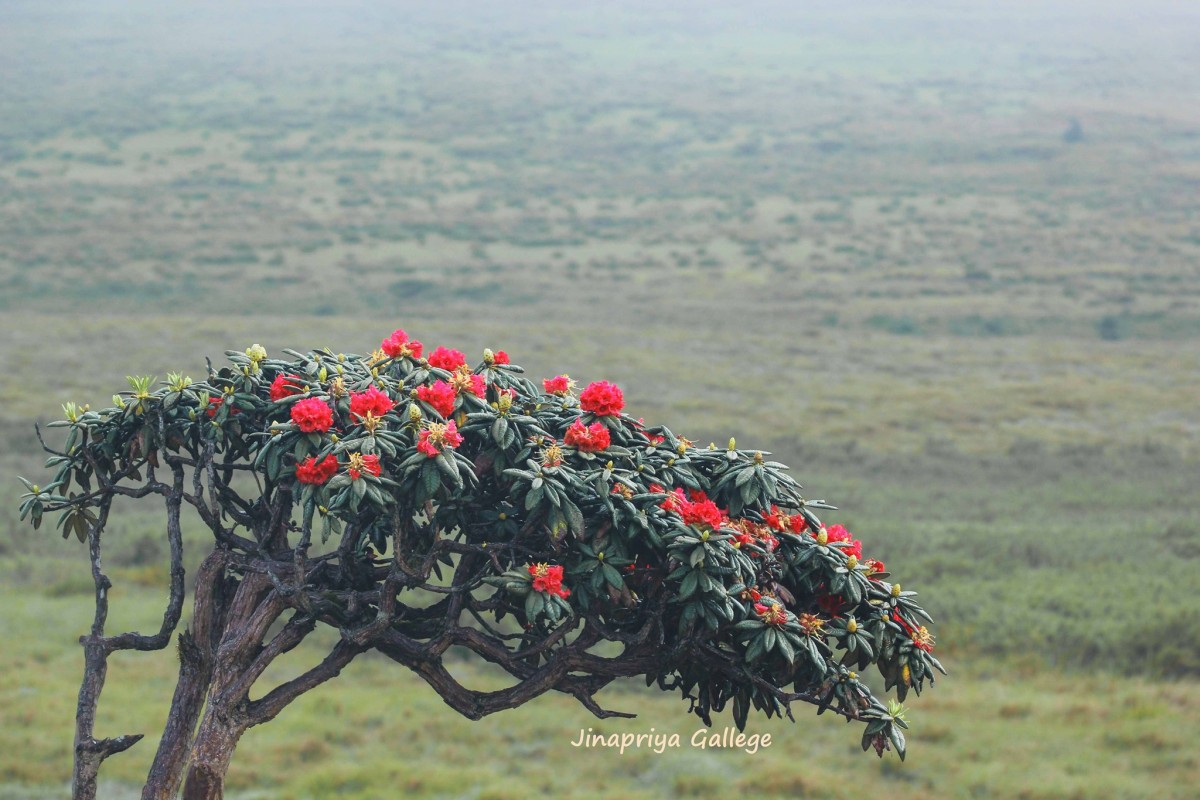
(197, 650)
(211, 753)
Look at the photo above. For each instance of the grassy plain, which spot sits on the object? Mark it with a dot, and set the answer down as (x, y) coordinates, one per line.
(866, 240)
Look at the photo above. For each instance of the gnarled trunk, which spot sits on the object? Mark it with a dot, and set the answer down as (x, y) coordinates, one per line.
(212, 751)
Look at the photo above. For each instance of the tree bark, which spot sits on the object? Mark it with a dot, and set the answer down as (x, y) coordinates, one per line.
(212, 751)
(197, 650)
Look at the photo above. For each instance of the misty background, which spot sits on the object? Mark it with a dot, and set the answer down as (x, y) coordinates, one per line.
(943, 258)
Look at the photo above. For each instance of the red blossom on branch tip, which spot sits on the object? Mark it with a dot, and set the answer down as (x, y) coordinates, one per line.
(587, 438)
(602, 398)
(285, 386)
(771, 613)
(548, 579)
(698, 510)
(440, 396)
(447, 359)
(372, 401)
(559, 385)
(312, 415)
(501, 357)
(316, 472)
(435, 438)
(398, 345)
(360, 464)
(838, 533)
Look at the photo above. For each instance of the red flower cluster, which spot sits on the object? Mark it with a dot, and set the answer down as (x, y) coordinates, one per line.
(360, 464)
(438, 436)
(449, 360)
(398, 345)
(501, 357)
(317, 472)
(372, 401)
(214, 403)
(602, 398)
(559, 385)
(874, 567)
(697, 509)
(285, 386)
(312, 415)
(838, 533)
(440, 396)
(548, 579)
(588, 438)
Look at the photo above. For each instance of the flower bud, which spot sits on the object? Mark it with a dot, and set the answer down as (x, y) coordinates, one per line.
(822, 536)
(851, 562)
(488, 356)
(414, 413)
(895, 590)
(256, 352)
(852, 625)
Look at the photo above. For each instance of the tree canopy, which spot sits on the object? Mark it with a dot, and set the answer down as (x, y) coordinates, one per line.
(416, 503)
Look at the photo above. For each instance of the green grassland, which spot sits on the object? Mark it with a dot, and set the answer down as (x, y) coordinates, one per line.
(866, 240)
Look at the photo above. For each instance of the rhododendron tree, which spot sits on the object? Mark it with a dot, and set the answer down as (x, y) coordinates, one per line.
(414, 504)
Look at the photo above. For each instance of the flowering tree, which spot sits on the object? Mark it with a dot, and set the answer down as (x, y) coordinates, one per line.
(414, 504)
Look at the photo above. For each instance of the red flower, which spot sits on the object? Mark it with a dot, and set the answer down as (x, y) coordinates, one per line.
(478, 385)
(214, 403)
(798, 524)
(360, 464)
(548, 579)
(560, 385)
(701, 511)
(372, 401)
(874, 566)
(398, 345)
(771, 613)
(316, 472)
(285, 386)
(440, 396)
(312, 415)
(446, 359)
(602, 398)
(777, 519)
(838, 533)
(675, 500)
(589, 439)
(657, 488)
(437, 437)
(501, 357)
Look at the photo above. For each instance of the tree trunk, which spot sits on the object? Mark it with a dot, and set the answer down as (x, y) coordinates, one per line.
(197, 650)
(212, 751)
